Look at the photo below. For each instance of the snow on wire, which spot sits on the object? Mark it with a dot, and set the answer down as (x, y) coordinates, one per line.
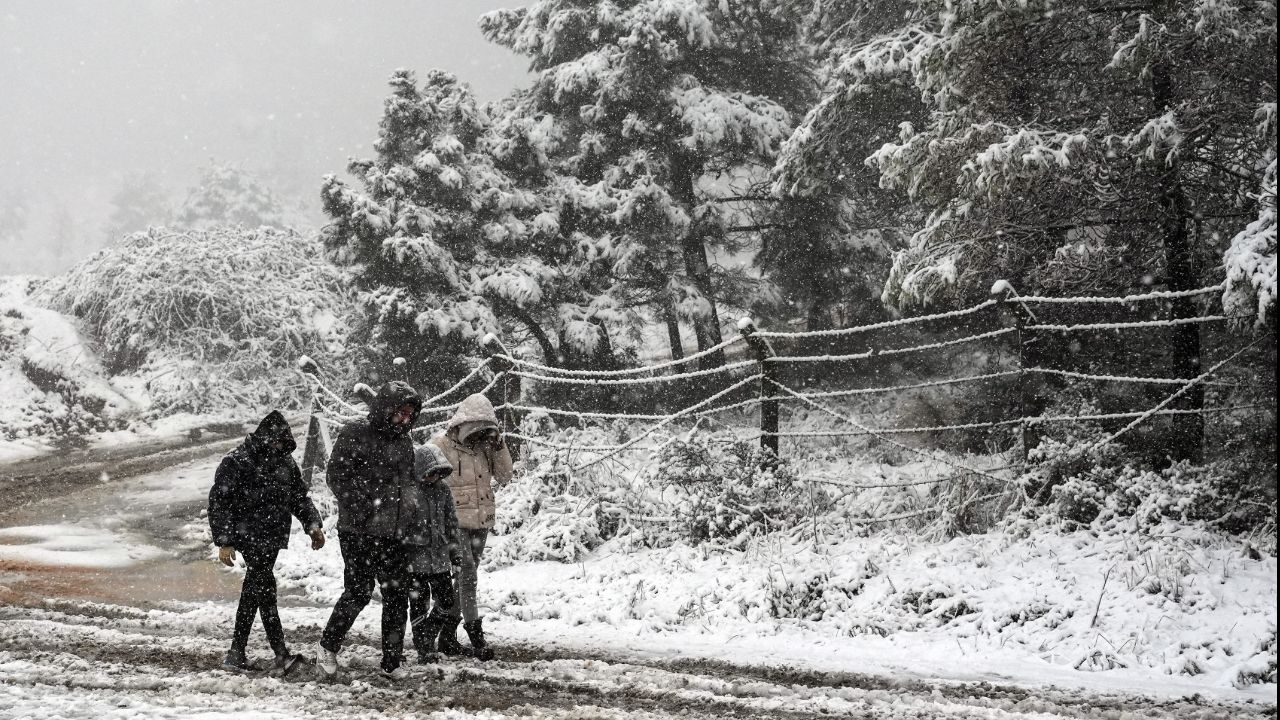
(1032, 420)
(1129, 378)
(1125, 300)
(877, 326)
(612, 450)
(635, 381)
(891, 441)
(1133, 324)
(891, 351)
(627, 371)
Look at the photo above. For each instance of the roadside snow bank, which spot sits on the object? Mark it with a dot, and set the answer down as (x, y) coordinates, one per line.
(51, 381)
(1178, 609)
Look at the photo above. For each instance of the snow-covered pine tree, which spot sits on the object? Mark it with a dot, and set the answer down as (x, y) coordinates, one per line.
(413, 230)
(1125, 134)
(1083, 147)
(229, 195)
(830, 233)
(664, 106)
(457, 231)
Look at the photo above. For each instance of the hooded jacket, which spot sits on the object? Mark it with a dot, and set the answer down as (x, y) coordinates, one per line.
(430, 525)
(474, 467)
(256, 489)
(371, 462)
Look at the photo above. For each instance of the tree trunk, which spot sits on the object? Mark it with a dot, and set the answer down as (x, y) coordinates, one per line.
(673, 331)
(694, 252)
(604, 358)
(549, 354)
(1187, 442)
(817, 316)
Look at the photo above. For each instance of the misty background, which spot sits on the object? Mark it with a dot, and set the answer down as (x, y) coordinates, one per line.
(101, 96)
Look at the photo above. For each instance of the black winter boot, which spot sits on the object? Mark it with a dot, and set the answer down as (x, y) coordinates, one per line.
(426, 634)
(448, 643)
(237, 661)
(476, 633)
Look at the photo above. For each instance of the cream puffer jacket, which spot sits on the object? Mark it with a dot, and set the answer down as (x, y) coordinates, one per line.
(475, 468)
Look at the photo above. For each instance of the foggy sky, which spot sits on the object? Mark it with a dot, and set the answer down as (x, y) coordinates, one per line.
(93, 90)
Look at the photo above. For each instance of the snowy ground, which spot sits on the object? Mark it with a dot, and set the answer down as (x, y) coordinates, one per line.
(111, 606)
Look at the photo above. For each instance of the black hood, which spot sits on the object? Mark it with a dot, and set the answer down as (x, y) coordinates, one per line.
(273, 427)
(391, 396)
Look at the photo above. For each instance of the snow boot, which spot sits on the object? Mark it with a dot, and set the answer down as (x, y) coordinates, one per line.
(284, 663)
(393, 667)
(480, 648)
(425, 637)
(448, 643)
(237, 662)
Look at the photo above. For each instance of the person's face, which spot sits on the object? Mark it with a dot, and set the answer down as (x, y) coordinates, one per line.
(483, 436)
(402, 416)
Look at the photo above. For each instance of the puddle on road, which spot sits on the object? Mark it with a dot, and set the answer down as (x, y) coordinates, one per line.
(147, 584)
(148, 513)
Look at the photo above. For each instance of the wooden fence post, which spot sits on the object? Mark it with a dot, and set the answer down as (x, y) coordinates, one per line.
(768, 385)
(315, 454)
(1028, 435)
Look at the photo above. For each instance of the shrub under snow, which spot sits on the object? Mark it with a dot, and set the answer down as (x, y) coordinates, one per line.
(211, 319)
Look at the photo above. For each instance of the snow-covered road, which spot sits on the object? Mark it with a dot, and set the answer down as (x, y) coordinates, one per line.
(77, 660)
(110, 608)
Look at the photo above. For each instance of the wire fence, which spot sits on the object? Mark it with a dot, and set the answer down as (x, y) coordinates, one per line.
(1003, 326)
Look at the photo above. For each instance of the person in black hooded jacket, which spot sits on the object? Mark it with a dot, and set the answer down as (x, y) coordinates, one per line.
(256, 490)
(371, 464)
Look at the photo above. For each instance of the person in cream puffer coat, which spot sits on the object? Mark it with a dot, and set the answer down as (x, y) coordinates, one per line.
(475, 448)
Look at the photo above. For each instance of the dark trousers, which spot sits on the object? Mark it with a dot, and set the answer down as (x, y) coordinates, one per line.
(258, 596)
(433, 592)
(367, 559)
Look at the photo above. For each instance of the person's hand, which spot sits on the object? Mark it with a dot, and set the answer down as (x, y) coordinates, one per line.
(227, 555)
(317, 538)
(455, 564)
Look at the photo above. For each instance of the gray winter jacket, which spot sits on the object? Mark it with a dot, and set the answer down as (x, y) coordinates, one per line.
(430, 525)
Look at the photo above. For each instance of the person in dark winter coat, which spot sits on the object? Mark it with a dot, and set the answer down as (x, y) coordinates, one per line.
(369, 468)
(474, 447)
(432, 540)
(256, 490)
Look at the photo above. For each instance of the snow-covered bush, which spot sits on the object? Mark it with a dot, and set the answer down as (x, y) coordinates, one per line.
(549, 517)
(1088, 482)
(730, 491)
(211, 319)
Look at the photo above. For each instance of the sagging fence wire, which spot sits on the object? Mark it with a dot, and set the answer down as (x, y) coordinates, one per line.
(1122, 300)
(1134, 324)
(630, 381)
(879, 326)
(547, 369)
(876, 352)
(773, 391)
(610, 452)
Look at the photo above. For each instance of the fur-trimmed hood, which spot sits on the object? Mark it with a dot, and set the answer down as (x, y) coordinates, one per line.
(475, 412)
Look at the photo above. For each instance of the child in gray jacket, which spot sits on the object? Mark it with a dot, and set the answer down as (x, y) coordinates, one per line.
(431, 544)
